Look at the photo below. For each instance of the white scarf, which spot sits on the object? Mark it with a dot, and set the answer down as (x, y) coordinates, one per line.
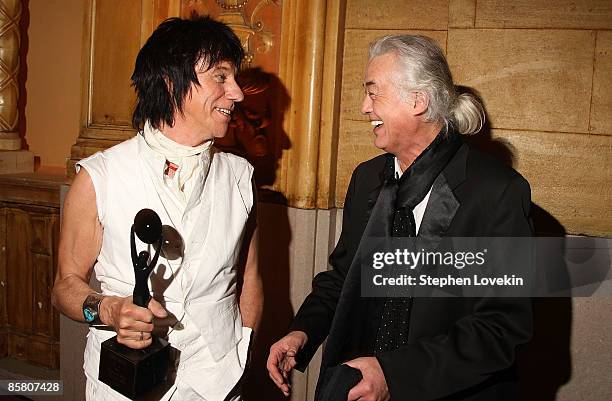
(190, 165)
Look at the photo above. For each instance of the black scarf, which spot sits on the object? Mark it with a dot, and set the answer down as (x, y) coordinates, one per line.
(389, 318)
(404, 194)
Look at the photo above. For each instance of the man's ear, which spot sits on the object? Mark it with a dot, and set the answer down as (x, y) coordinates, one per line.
(420, 102)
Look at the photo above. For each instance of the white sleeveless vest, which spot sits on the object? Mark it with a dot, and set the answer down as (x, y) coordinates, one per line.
(198, 289)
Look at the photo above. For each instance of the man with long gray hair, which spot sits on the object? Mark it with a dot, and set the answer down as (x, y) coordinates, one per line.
(428, 184)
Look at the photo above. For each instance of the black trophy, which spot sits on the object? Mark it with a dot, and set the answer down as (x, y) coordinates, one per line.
(133, 372)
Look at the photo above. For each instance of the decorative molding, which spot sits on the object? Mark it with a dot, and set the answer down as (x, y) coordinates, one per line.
(305, 102)
(234, 15)
(311, 31)
(10, 14)
(330, 105)
(94, 136)
(256, 130)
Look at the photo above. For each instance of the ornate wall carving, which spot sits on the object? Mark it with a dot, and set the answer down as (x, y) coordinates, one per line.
(10, 13)
(256, 131)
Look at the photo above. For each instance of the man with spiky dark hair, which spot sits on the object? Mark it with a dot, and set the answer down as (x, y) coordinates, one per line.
(186, 91)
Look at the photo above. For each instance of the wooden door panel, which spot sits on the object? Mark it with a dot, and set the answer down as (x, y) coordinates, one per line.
(43, 282)
(3, 311)
(116, 41)
(42, 234)
(18, 271)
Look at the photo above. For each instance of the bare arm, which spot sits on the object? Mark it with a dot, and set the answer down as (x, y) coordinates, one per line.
(79, 247)
(251, 295)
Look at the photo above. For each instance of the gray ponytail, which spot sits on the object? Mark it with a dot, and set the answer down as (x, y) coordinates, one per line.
(467, 114)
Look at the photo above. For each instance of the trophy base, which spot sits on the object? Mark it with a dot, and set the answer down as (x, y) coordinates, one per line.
(133, 372)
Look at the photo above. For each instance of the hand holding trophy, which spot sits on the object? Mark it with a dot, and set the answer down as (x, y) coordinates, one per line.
(133, 372)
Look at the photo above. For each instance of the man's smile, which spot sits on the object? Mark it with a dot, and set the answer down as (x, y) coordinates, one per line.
(376, 124)
(225, 112)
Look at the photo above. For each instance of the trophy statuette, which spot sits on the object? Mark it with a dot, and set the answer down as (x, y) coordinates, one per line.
(133, 372)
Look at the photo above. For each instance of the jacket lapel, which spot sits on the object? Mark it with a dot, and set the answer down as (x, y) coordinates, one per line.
(443, 205)
(440, 212)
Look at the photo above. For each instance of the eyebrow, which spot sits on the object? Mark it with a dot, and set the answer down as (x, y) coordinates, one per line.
(218, 67)
(368, 83)
(224, 69)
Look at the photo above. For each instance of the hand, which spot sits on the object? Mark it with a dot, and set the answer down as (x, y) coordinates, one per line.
(282, 359)
(132, 323)
(373, 386)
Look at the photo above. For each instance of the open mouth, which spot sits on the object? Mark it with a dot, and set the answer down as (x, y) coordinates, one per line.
(376, 124)
(225, 112)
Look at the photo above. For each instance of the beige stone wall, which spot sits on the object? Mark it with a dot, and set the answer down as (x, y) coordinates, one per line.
(544, 71)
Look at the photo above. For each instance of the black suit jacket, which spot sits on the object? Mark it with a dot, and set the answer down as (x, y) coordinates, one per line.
(459, 348)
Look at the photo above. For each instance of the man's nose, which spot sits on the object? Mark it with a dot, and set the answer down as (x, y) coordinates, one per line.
(234, 92)
(366, 105)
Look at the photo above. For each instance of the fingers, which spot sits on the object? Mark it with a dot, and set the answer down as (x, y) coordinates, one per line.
(134, 328)
(284, 386)
(132, 323)
(273, 364)
(134, 336)
(126, 311)
(354, 363)
(287, 364)
(157, 310)
(373, 385)
(281, 359)
(279, 368)
(136, 340)
(357, 392)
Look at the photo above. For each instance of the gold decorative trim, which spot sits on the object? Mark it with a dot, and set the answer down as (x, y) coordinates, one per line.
(234, 16)
(311, 31)
(10, 14)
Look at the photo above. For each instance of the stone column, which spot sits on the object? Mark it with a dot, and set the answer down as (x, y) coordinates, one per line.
(12, 158)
